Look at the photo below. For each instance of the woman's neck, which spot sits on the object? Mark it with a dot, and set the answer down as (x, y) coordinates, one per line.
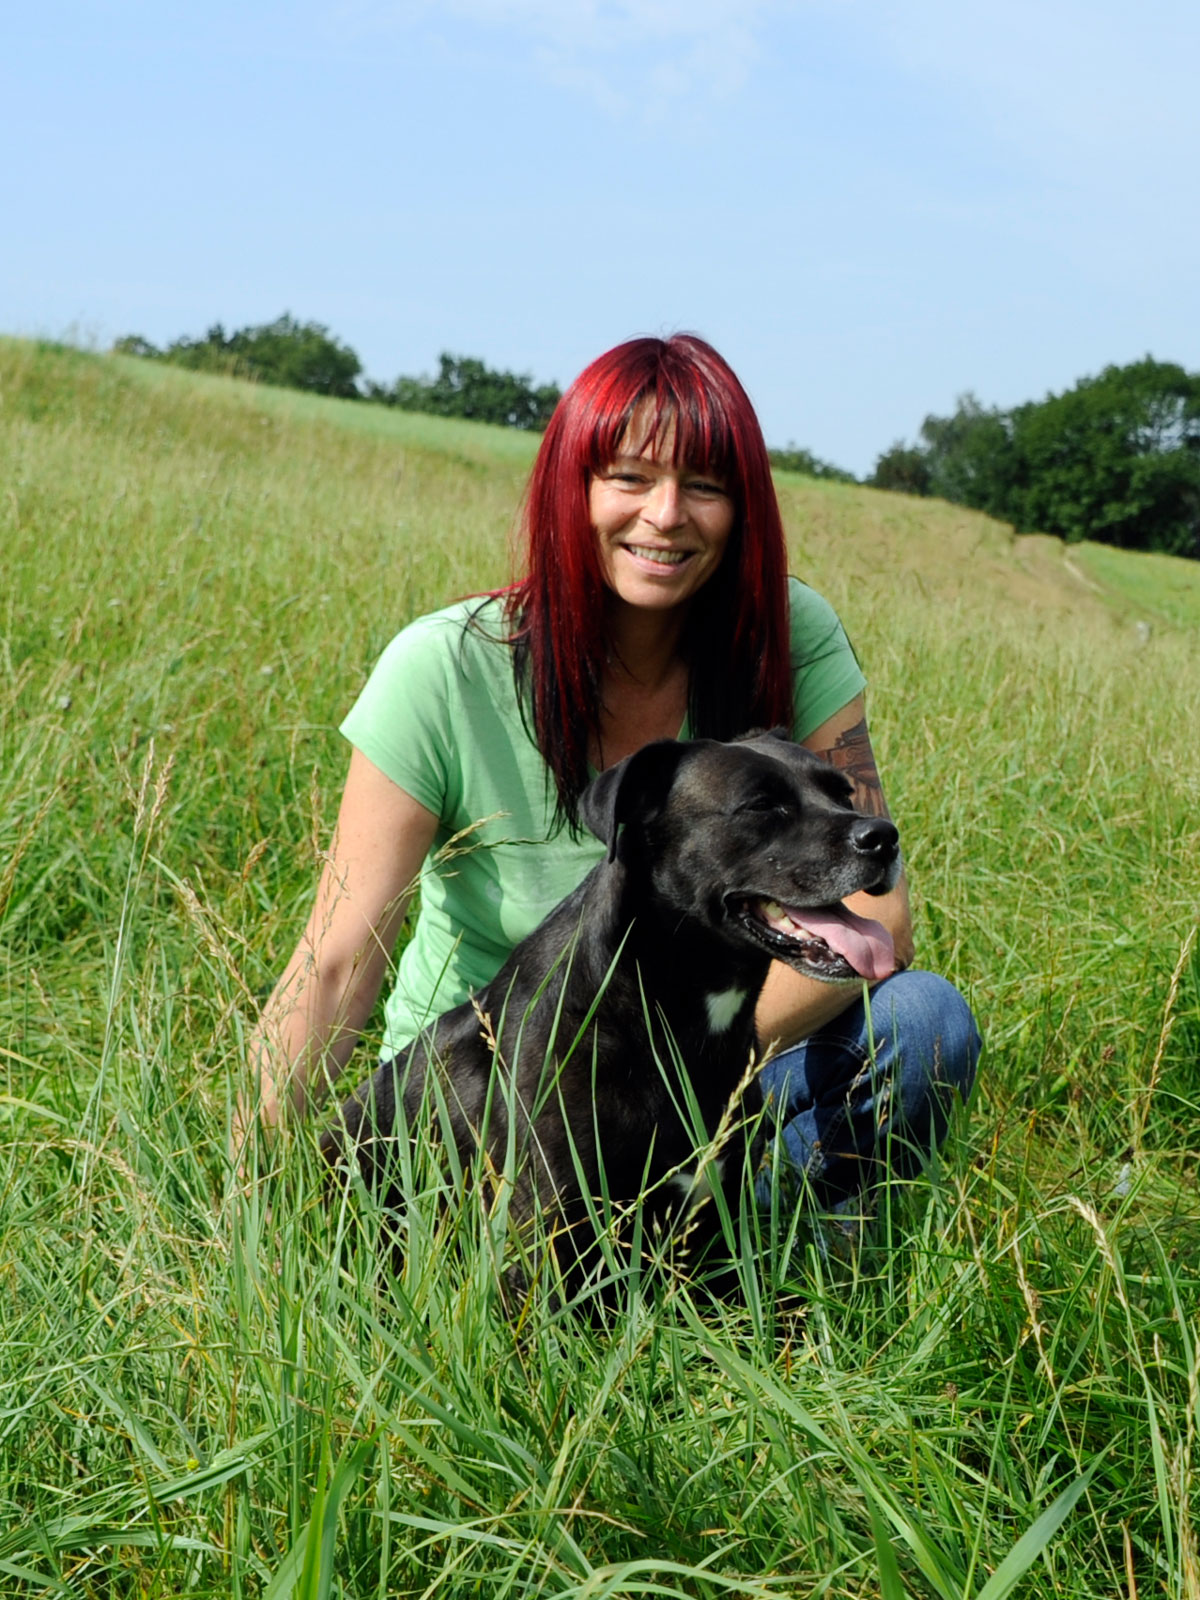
(644, 690)
(645, 647)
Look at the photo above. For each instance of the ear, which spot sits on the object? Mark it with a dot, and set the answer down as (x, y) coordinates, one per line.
(630, 791)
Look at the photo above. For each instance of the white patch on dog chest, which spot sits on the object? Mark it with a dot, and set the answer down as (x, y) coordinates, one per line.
(699, 1185)
(722, 1008)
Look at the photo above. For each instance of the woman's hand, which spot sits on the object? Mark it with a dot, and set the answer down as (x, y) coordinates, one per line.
(328, 989)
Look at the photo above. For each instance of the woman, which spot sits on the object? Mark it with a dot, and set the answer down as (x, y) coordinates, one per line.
(655, 604)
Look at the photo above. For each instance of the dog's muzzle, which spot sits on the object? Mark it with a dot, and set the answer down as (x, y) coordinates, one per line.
(831, 943)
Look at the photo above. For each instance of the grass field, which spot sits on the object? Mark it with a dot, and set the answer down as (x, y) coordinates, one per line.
(203, 1392)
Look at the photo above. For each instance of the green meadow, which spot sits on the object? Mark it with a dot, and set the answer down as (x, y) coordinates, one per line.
(208, 1388)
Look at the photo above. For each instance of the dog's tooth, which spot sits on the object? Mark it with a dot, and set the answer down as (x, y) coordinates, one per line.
(772, 910)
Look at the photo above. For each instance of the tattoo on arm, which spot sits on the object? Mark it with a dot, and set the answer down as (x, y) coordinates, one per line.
(851, 753)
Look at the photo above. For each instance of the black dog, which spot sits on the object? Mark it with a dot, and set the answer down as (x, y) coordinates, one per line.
(721, 858)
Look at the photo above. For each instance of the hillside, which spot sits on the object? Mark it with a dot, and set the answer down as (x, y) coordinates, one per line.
(206, 1388)
(939, 548)
(841, 536)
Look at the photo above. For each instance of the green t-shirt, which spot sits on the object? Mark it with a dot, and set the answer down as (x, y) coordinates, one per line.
(439, 716)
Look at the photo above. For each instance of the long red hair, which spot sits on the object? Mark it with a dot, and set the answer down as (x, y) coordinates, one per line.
(736, 639)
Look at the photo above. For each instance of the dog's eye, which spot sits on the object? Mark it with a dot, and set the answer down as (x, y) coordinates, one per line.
(764, 805)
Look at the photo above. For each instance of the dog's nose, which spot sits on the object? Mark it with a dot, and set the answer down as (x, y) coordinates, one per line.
(875, 837)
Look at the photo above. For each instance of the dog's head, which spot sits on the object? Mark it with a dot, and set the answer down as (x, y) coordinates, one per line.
(756, 838)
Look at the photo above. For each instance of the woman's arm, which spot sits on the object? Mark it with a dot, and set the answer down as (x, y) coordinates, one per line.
(323, 1000)
(792, 1006)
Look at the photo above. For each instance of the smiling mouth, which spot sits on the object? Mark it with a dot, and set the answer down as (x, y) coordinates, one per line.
(829, 942)
(660, 558)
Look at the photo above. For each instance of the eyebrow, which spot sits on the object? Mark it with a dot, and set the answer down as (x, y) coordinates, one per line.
(622, 458)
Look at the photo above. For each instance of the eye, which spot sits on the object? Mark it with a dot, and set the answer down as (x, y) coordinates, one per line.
(764, 805)
(706, 486)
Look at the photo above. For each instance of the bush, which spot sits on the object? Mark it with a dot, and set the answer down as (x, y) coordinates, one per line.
(465, 387)
(793, 459)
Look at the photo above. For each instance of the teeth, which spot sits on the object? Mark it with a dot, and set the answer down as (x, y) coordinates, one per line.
(779, 919)
(665, 558)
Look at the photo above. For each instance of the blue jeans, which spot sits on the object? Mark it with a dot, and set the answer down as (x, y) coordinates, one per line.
(868, 1097)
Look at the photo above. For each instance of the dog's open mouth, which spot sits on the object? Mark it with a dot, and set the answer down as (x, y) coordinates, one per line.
(829, 942)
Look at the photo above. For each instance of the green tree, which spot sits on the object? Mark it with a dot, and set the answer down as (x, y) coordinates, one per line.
(970, 456)
(966, 458)
(466, 387)
(794, 459)
(132, 344)
(211, 353)
(1116, 458)
(904, 469)
(291, 354)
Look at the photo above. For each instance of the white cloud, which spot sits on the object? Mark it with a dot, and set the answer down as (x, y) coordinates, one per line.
(640, 56)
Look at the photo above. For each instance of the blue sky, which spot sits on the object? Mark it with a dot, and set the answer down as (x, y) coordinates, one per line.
(869, 207)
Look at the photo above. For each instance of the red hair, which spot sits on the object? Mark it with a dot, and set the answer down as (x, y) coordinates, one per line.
(737, 638)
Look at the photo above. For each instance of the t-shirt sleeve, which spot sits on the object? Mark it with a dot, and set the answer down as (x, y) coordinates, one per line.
(825, 671)
(401, 720)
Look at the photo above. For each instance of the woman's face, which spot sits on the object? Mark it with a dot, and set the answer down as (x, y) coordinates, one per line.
(662, 529)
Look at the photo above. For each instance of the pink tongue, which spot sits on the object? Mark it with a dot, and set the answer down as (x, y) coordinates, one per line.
(865, 944)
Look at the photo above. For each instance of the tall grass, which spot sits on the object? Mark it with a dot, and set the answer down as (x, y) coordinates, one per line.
(206, 1386)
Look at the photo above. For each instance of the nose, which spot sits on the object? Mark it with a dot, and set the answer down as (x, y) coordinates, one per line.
(664, 506)
(876, 838)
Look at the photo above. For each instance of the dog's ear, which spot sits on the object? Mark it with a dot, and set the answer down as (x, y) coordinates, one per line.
(778, 732)
(633, 788)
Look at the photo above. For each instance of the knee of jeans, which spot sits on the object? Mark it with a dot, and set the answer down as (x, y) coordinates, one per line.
(784, 1079)
(932, 1024)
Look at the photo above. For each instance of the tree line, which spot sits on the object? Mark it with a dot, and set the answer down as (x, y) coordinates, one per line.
(305, 355)
(1115, 459)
